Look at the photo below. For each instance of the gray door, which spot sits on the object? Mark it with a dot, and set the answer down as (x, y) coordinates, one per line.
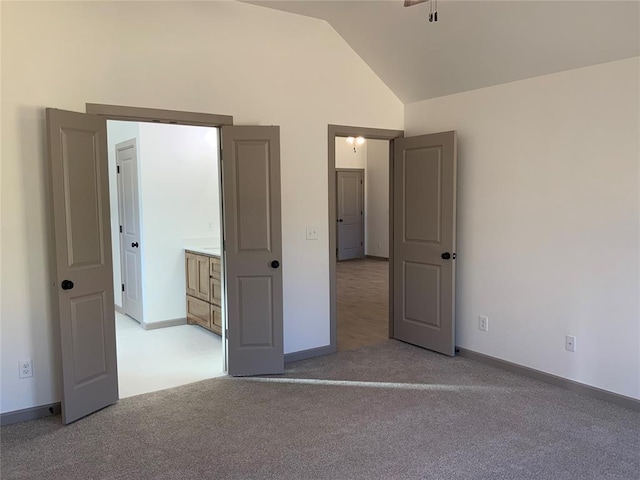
(130, 244)
(424, 241)
(350, 204)
(84, 275)
(253, 249)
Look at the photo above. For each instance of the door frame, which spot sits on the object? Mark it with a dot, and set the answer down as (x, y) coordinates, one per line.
(173, 117)
(335, 179)
(335, 131)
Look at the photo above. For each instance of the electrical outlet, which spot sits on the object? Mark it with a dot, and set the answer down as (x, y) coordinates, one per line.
(25, 368)
(570, 343)
(312, 233)
(483, 323)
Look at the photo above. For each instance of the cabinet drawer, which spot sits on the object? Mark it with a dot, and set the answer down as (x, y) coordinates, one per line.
(214, 267)
(216, 291)
(216, 320)
(198, 312)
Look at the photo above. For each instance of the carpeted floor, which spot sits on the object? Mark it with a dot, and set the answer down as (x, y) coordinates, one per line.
(388, 411)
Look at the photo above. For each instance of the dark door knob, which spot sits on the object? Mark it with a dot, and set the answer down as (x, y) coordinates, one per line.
(66, 284)
(446, 256)
(340, 220)
(134, 245)
(275, 264)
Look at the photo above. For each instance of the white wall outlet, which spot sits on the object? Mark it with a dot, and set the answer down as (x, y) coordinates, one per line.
(312, 233)
(483, 323)
(25, 368)
(211, 225)
(570, 343)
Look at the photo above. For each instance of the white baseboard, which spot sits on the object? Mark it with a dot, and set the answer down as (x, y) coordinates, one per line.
(173, 322)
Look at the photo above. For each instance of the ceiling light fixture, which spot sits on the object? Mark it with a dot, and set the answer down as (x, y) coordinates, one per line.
(355, 141)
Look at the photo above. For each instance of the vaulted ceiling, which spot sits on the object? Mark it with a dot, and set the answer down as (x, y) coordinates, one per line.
(475, 43)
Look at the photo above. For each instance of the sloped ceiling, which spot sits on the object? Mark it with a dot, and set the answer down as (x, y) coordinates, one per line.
(476, 43)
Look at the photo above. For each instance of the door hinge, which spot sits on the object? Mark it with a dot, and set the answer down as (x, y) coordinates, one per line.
(224, 246)
(120, 228)
(118, 169)
(226, 333)
(123, 287)
(360, 243)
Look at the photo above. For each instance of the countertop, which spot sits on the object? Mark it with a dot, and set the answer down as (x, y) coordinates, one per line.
(212, 251)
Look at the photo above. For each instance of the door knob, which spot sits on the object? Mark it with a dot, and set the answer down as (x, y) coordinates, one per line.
(134, 245)
(445, 256)
(66, 284)
(340, 220)
(275, 264)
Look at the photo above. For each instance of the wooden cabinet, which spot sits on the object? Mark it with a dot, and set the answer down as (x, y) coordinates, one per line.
(204, 291)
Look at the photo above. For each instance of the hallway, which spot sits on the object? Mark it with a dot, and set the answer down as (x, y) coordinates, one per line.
(363, 302)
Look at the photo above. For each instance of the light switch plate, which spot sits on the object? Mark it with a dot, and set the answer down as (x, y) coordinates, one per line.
(312, 233)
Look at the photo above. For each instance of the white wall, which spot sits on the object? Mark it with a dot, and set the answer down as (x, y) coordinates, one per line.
(377, 199)
(117, 132)
(548, 220)
(180, 203)
(346, 157)
(261, 66)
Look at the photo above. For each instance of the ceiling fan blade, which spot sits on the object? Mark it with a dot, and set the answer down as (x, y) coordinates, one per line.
(410, 3)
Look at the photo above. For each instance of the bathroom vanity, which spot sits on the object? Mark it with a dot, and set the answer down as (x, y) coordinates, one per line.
(204, 288)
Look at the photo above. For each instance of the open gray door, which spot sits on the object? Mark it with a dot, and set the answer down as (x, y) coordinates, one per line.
(84, 274)
(424, 239)
(350, 204)
(253, 249)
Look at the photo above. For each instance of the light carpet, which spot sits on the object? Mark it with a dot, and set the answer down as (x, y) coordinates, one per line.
(388, 411)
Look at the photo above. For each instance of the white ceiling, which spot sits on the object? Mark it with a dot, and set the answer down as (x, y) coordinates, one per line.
(476, 43)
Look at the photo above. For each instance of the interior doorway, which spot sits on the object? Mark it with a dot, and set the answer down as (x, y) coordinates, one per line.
(166, 208)
(360, 188)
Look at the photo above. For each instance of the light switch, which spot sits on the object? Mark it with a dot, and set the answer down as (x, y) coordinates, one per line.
(312, 233)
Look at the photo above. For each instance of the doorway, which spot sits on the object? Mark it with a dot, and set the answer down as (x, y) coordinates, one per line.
(167, 202)
(360, 279)
(82, 258)
(422, 236)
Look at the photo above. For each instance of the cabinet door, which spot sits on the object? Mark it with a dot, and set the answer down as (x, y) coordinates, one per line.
(214, 267)
(216, 319)
(198, 312)
(203, 277)
(192, 274)
(215, 291)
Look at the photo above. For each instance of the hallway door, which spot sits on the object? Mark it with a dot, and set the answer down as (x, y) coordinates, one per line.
(424, 241)
(350, 204)
(130, 241)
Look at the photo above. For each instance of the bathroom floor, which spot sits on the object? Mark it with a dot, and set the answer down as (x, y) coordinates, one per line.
(151, 360)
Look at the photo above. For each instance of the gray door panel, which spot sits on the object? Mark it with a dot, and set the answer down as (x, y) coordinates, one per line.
(424, 230)
(350, 204)
(80, 205)
(253, 238)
